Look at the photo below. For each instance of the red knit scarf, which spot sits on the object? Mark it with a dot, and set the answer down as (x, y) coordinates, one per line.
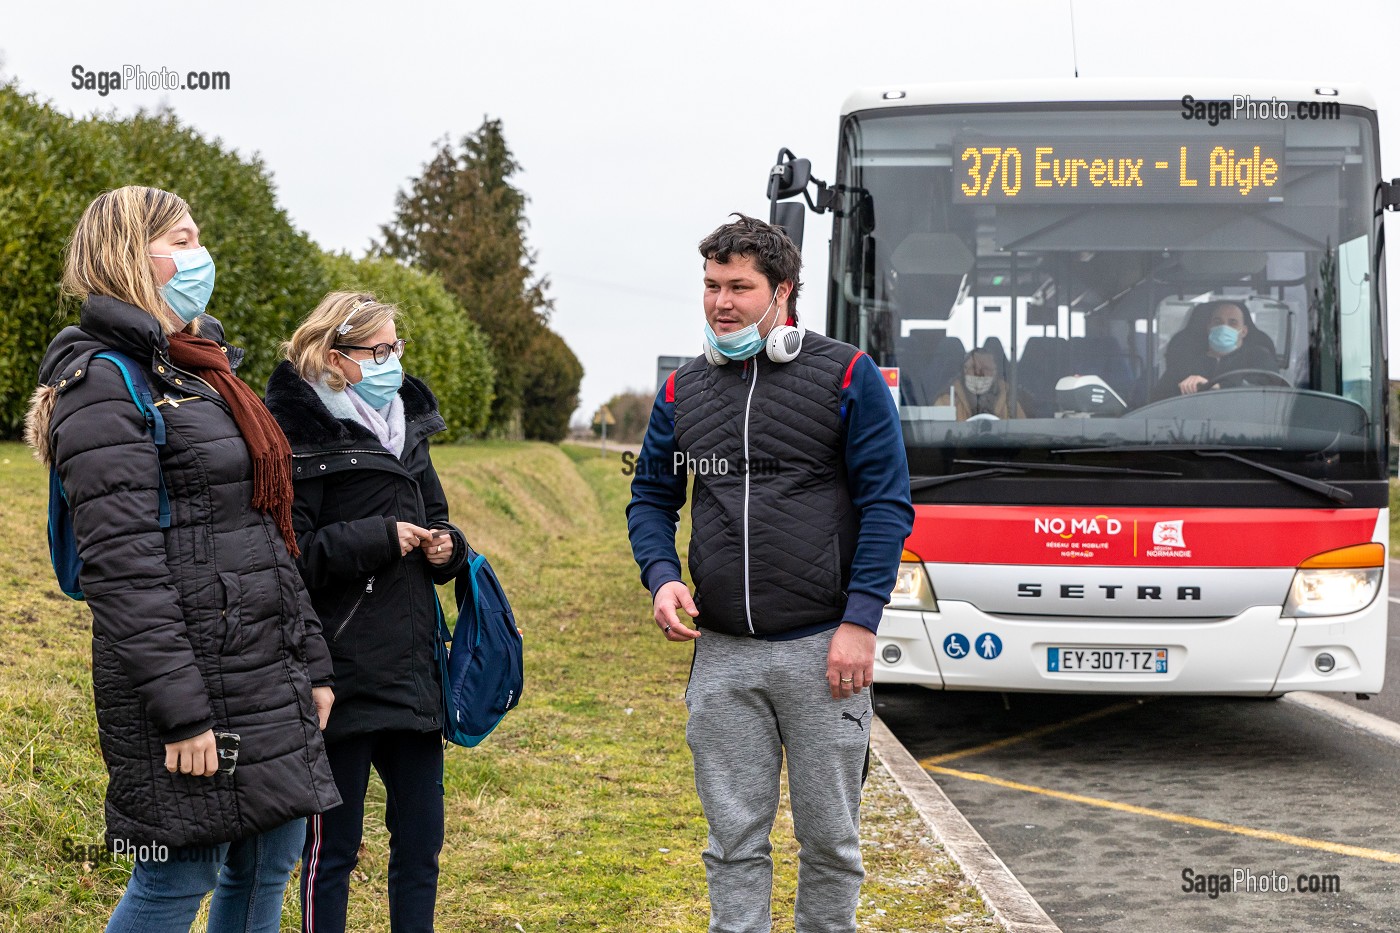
(267, 445)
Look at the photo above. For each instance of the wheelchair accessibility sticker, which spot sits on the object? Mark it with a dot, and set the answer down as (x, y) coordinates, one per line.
(956, 646)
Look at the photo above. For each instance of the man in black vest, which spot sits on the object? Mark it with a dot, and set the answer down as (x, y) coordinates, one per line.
(799, 513)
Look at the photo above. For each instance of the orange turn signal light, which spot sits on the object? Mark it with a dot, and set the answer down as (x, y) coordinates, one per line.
(909, 555)
(1347, 558)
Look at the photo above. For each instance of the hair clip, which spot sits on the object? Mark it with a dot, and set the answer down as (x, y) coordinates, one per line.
(344, 327)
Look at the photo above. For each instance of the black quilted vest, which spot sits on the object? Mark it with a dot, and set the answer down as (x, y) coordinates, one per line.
(773, 527)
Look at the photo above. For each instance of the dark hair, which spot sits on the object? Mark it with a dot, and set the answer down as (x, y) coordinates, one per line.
(1207, 309)
(776, 256)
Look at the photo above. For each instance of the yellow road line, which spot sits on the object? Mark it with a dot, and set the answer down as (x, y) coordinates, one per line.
(1035, 733)
(1336, 848)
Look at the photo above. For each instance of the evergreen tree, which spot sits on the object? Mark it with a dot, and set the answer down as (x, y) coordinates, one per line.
(464, 220)
(552, 374)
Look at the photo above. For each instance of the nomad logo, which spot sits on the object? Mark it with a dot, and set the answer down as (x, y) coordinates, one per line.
(1212, 885)
(133, 77)
(1068, 528)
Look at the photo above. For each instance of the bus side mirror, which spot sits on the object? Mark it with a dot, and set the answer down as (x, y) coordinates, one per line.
(788, 178)
(792, 217)
(1390, 194)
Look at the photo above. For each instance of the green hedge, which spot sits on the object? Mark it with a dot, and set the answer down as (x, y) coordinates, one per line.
(270, 275)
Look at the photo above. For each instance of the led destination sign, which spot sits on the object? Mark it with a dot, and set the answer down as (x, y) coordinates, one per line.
(1131, 170)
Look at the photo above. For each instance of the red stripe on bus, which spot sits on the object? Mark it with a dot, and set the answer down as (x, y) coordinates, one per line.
(1133, 537)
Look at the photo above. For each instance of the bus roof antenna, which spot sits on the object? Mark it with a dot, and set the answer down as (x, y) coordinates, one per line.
(1073, 41)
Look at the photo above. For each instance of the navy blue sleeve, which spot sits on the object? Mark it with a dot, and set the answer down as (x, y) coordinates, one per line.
(877, 474)
(658, 492)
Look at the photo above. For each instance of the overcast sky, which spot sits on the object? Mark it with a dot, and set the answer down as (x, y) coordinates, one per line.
(640, 125)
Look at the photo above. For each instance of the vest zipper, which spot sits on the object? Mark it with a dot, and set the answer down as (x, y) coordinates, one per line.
(748, 404)
(369, 588)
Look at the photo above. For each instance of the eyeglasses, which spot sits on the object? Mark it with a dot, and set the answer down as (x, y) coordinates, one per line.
(381, 351)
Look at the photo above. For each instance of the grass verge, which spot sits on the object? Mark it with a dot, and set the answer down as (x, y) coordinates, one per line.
(579, 813)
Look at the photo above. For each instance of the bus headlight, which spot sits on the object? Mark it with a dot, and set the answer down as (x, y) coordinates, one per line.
(1336, 582)
(1331, 592)
(912, 588)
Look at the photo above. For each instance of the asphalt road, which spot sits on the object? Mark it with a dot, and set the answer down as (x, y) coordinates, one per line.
(1108, 809)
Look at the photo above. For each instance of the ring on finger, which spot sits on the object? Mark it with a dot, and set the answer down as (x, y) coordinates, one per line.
(667, 630)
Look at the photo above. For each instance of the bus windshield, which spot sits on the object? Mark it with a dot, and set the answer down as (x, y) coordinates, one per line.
(1114, 280)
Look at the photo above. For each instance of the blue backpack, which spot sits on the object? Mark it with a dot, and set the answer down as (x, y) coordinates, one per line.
(63, 544)
(484, 672)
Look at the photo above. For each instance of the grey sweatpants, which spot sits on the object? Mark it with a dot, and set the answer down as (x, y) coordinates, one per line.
(751, 700)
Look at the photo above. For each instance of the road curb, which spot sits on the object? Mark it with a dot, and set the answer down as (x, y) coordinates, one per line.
(1010, 903)
(1349, 716)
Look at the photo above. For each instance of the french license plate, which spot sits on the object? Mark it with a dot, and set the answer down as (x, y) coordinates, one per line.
(1106, 660)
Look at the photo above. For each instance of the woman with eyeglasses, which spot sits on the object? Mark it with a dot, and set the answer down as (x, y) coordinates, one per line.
(371, 520)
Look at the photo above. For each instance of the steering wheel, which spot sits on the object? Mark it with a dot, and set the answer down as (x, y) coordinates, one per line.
(1270, 377)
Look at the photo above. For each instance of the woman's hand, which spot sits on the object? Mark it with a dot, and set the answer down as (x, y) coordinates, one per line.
(412, 536)
(198, 756)
(438, 549)
(324, 698)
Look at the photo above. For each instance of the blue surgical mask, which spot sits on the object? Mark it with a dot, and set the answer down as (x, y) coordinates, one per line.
(379, 382)
(1224, 338)
(189, 289)
(743, 343)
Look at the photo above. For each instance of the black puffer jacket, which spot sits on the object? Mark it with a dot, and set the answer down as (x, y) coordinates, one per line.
(379, 607)
(203, 625)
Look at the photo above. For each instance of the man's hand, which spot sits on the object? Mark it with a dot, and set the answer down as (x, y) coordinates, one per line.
(324, 698)
(669, 598)
(850, 662)
(1190, 384)
(198, 757)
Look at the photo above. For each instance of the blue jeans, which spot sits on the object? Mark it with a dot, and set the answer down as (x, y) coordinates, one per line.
(247, 878)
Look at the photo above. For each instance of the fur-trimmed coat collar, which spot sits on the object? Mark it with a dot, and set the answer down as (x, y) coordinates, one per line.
(310, 426)
(103, 324)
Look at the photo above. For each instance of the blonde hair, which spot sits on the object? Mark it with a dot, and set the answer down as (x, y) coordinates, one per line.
(108, 253)
(311, 343)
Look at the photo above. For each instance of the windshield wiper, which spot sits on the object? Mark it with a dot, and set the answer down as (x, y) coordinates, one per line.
(928, 482)
(1167, 448)
(1335, 493)
(1002, 467)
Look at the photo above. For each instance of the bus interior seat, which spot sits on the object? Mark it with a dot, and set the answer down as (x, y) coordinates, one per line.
(928, 361)
(1044, 362)
(1110, 361)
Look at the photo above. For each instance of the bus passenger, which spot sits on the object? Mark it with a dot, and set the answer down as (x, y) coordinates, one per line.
(981, 390)
(1219, 337)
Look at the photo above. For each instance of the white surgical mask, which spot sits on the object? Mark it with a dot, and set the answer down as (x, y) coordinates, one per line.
(979, 385)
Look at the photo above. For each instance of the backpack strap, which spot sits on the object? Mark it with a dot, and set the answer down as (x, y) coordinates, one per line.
(141, 394)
